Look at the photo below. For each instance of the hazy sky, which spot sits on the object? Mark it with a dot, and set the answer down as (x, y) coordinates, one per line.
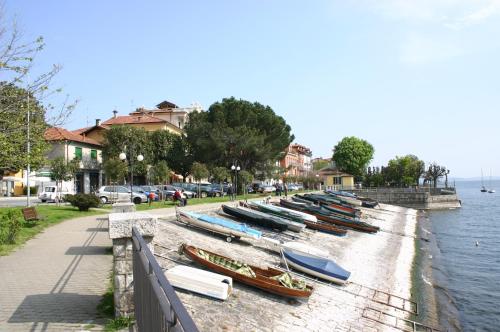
(419, 77)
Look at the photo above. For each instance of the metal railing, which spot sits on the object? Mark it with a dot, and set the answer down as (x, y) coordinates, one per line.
(157, 306)
(431, 190)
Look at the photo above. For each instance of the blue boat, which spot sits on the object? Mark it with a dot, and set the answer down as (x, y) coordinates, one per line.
(219, 225)
(320, 267)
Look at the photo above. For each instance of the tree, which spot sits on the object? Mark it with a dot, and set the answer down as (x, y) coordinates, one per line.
(115, 169)
(352, 155)
(219, 174)
(162, 141)
(13, 129)
(404, 171)
(180, 159)
(319, 164)
(250, 133)
(246, 178)
(199, 172)
(159, 173)
(434, 172)
(62, 171)
(131, 140)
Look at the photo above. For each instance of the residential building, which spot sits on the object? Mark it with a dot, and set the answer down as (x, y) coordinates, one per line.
(167, 116)
(297, 160)
(11, 183)
(69, 145)
(334, 179)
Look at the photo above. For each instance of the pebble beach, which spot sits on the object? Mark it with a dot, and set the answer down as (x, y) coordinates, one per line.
(380, 265)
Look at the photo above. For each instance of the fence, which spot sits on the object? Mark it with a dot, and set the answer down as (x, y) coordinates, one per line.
(157, 306)
(431, 190)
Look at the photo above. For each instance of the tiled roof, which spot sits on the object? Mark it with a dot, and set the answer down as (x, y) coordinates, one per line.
(131, 119)
(61, 134)
(82, 131)
(332, 171)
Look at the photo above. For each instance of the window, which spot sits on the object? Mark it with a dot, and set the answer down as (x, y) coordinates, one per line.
(337, 180)
(78, 153)
(93, 154)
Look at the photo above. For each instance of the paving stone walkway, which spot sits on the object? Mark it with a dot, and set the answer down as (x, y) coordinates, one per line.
(55, 281)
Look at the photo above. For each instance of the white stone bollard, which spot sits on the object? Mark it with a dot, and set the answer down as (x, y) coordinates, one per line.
(120, 231)
(123, 207)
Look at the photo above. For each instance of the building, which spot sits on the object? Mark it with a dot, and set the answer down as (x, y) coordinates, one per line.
(69, 145)
(334, 179)
(297, 160)
(167, 116)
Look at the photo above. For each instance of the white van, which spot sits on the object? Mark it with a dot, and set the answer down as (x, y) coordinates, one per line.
(50, 193)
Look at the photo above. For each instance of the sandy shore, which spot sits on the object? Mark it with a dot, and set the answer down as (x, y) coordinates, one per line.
(380, 261)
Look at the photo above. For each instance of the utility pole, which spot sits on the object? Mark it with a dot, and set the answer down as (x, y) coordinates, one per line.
(28, 149)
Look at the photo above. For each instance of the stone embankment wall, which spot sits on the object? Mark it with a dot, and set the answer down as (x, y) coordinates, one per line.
(412, 199)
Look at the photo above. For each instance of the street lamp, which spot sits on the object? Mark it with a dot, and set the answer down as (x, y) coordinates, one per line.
(235, 169)
(123, 157)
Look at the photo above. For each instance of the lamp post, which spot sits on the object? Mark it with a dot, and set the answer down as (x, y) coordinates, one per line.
(123, 157)
(235, 169)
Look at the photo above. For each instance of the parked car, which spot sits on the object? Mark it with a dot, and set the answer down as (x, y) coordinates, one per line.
(211, 190)
(292, 187)
(189, 189)
(51, 194)
(266, 188)
(168, 191)
(250, 189)
(146, 190)
(119, 193)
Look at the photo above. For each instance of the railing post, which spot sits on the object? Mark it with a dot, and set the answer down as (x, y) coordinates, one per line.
(120, 231)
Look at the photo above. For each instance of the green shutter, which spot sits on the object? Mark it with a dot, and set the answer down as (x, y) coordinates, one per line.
(78, 153)
(93, 154)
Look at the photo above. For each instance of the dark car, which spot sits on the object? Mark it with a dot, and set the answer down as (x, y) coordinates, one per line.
(211, 190)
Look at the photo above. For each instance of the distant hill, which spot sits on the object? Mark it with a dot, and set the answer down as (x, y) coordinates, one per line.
(477, 178)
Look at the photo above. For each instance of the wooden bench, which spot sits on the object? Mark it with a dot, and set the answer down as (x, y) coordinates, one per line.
(30, 214)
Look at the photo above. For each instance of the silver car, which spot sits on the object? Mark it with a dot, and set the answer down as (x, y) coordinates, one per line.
(110, 194)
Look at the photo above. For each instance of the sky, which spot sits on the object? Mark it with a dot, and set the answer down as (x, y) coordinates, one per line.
(419, 77)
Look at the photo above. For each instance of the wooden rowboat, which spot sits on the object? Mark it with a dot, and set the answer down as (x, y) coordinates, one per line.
(268, 279)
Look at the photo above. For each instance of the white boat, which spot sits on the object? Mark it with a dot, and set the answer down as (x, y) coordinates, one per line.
(491, 190)
(219, 225)
(278, 246)
(200, 281)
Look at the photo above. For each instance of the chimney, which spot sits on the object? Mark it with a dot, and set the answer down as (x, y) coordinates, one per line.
(114, 113)
(97, 122)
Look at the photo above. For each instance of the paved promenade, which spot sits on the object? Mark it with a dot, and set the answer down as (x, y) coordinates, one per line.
(55, 281)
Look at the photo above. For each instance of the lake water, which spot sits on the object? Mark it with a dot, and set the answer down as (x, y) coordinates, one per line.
(463, 276)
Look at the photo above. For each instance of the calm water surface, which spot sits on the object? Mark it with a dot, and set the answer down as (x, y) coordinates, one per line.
(466, 276)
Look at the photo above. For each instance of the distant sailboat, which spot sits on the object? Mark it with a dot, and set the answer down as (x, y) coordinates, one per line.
(491, 190)
(483, 188)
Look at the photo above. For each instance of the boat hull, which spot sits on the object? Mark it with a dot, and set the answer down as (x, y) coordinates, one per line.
(262, 280)
(297, 260)
(186, 218)
(200, 281)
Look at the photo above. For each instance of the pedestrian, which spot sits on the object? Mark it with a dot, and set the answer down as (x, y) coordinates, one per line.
(278, 189)
(230, 192)
(178, 197)
(151, 197)
(285, 189)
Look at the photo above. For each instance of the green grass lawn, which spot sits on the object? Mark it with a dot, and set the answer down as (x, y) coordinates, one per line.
(195, 201)
(53, 215)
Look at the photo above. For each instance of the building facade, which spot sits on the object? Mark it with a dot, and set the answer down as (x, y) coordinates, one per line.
(68, 145)
(296, 161)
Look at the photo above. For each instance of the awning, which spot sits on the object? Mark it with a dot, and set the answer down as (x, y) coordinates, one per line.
(12, 178)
